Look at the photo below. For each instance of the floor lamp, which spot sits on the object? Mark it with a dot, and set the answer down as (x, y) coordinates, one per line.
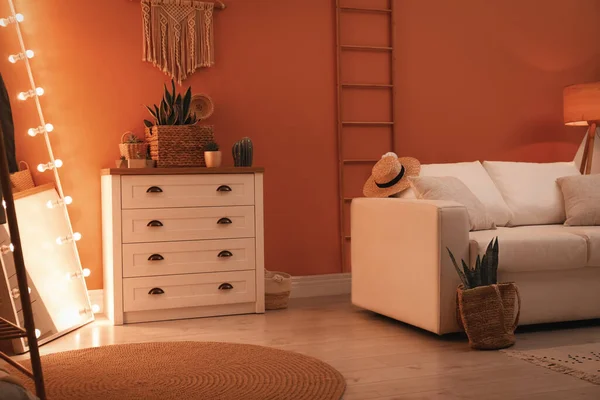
(581, 107)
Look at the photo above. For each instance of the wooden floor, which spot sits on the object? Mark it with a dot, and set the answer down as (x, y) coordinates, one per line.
(380, 358)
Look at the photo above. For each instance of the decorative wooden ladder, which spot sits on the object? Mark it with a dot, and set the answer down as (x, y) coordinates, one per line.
(344, 122)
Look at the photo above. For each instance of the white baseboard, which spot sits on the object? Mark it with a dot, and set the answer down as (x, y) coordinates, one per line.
(302, 286)
(321, 285)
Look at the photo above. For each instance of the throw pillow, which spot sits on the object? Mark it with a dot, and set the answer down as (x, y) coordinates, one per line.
(530, 190)
(452, 188)
(582, 199)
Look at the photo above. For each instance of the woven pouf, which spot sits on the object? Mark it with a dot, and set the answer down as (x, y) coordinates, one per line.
(188, 370)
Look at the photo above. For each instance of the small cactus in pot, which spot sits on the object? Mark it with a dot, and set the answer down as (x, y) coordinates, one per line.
(212, 155)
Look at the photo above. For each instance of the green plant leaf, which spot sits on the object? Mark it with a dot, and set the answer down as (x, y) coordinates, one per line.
(151, 111)
(494, 261)
(477, 272)
(469, 274)
(187, 100)
(173, 95)
(148, 123)
(484, 270)
(167, 98)
(462, 276)
(163, 113)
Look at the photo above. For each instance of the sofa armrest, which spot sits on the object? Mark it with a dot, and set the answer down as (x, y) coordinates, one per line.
(400, 265)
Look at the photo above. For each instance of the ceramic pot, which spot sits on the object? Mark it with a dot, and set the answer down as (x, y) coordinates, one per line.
(121, 163)
(213, 159)
(136, 163)
(150, 163)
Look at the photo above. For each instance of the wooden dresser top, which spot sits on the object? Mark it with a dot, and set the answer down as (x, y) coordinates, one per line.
(181, 171)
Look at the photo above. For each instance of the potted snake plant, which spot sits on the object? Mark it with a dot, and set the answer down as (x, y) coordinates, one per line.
(175, 137)
(486, 308)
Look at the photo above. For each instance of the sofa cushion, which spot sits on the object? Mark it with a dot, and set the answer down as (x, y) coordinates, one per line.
(530, 190)
(590, 233)
(532, 249)
(474, 176)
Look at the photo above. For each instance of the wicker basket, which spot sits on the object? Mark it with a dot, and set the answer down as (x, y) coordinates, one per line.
(487, 314)
(178, 145)
(22, 179)
(132, 151)
(278, 286)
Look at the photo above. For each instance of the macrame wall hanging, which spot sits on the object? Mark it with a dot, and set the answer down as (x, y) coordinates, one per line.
(178, 36)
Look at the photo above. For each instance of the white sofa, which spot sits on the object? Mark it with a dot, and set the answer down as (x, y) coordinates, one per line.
(401, 268)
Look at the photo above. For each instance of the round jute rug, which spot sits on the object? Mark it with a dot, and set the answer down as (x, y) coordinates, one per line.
(188, 370)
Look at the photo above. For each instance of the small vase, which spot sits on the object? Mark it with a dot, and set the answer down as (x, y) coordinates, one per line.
(121, 163)
(213, 159)
(136, 163)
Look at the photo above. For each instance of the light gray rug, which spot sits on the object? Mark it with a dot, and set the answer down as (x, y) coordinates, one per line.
(581, 361)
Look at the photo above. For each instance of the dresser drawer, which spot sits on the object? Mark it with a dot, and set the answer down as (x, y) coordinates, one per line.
(172, 224)
(178, 291)
(169, 258)
(157, 191)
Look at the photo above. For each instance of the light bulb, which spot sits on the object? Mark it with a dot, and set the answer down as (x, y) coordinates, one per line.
(22, 96)
(19, 17)
(39, 91)
(38, 333)
(12, 58)
(49, 127)
(86, 272)
(4, 249)
(51, 165)
(95, 308)
(31, 132)
(29, 53)
(55, 203)
(77, 236)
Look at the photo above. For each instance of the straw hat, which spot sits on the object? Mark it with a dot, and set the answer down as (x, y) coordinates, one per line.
(390, 175)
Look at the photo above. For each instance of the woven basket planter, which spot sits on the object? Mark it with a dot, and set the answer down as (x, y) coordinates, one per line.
(178, 145)
(489, 315)
(278, 286)
(132, 151)
(22, 179)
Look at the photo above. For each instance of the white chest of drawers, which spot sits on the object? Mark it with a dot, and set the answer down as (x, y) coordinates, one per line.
(182, 243)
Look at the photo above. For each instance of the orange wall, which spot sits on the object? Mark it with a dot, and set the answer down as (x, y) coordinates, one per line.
(475, 80)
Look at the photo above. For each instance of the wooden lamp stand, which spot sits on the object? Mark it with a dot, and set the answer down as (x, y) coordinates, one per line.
(588, 151)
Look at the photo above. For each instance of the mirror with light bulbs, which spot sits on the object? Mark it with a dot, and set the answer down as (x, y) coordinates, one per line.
(59, 296)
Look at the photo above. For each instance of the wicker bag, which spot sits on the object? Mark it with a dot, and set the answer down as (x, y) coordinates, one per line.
(178, 145)
(22, 179)
(278, 286)
(132, 151)
(488, 315)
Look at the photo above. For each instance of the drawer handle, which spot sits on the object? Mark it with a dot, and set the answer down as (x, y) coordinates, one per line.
(156, 290)
(224, 220)
(154, 223)
(155, 257)
(225, 286)
(224, 188)
(225, 253)
(154, 189)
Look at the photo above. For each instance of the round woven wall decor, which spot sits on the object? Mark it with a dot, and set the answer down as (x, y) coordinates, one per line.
(188, 370)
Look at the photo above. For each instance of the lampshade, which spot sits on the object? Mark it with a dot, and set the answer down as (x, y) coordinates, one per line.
(581, 103)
